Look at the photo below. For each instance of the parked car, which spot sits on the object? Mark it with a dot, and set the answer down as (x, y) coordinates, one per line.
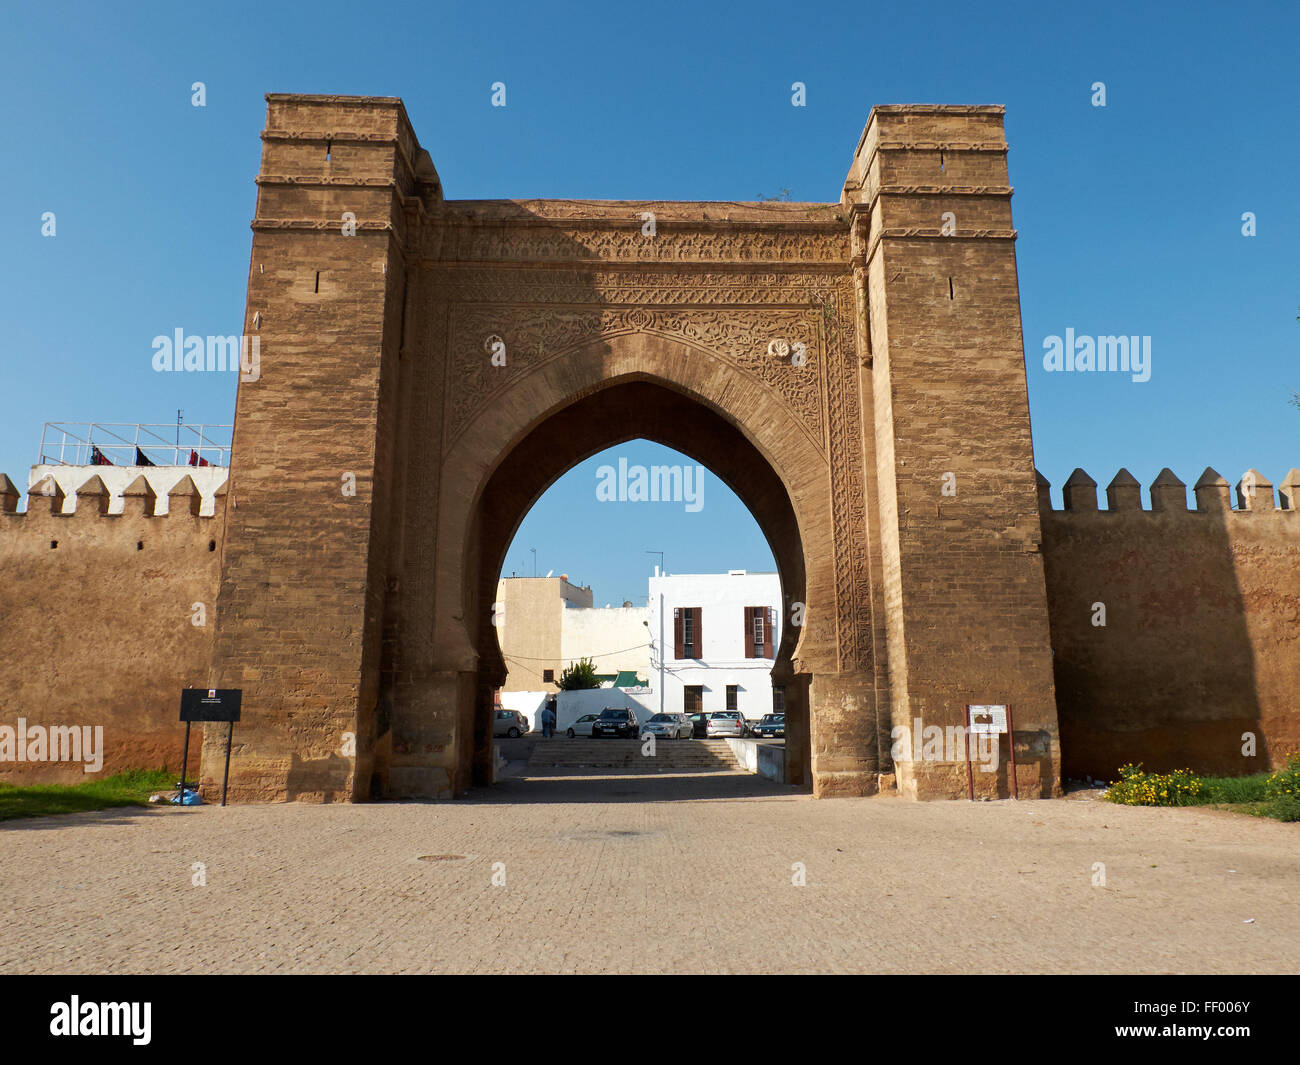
(616, 721)
(699, 725)
(770, 726)
(670, 726)
(726, 723)
(581, 727)
(509, 723)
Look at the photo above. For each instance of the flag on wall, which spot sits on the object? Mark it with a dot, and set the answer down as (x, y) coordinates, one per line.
(97, 457)
(141, 459)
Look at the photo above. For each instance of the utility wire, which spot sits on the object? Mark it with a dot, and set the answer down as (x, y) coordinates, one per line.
(601, 654)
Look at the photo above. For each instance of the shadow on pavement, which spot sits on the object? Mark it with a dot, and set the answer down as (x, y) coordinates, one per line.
(614, 786)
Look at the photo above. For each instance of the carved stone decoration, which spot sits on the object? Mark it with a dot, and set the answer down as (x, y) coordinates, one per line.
(767, 288)
(852, 566)
(674, 242)
(534, 336)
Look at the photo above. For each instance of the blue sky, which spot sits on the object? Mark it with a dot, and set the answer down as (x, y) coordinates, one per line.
(1129, 215)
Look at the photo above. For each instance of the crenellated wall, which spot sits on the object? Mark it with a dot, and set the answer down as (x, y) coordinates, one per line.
(99, 581)
(1175, 632)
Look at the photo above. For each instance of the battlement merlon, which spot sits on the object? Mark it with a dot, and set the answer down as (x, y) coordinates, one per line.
(326, 155)
(1213, 494)
(153, 491)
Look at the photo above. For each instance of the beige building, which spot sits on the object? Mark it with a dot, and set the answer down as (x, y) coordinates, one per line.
(528, 615)
(545, 624)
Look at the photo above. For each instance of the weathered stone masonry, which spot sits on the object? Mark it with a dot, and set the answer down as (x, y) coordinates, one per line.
(97, 610)
(368, 615)
(1200, 646)
(358, 622)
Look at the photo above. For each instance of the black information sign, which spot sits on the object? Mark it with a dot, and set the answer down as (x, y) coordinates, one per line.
(211, 704)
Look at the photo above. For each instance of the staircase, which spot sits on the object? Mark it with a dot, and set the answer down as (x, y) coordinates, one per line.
(579, 753)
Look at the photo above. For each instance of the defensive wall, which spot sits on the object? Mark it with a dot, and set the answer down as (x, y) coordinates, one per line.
(1175, 631)
(107, 587)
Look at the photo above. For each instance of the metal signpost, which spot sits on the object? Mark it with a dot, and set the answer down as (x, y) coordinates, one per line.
(209, 704)
(990, 720)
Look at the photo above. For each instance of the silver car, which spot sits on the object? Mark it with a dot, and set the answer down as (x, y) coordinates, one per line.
(726, 723)
(509, 723)
(669, 726)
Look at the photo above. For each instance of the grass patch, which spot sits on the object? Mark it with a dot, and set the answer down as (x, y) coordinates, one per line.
(1253, 788)
(1275, 795)
(131, 788)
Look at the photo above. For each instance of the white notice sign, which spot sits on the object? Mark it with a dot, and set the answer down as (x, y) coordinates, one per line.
(988, 720)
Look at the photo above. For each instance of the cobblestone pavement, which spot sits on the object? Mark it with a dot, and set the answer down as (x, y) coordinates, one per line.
(635, 873)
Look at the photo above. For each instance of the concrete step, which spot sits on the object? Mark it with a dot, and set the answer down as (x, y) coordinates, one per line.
(626, 754)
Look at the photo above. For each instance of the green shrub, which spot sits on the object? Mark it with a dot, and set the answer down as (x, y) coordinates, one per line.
(579, 676)
(1287, 809)
(1136, 788)
(1285, 783)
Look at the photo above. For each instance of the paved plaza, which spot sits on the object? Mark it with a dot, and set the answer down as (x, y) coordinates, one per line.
(675, 873)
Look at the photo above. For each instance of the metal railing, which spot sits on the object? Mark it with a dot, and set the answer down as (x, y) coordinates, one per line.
(161, 444)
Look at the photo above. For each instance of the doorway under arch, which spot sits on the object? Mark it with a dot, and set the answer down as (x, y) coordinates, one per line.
(629, 409)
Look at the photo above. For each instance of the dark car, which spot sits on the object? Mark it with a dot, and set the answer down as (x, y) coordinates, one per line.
(619, 721)
(771, 725)
(699, 725)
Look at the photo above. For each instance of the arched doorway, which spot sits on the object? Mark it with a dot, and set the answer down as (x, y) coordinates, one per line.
(625, 410)
(578, 401)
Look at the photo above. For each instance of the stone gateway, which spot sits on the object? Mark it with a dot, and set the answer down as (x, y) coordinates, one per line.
(854, 371)
(832, 363)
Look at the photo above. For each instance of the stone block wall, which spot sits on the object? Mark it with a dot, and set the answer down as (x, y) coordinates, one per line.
(1175, 632)
(100, 592)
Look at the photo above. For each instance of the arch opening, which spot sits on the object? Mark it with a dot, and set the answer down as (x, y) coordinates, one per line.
(633, 408)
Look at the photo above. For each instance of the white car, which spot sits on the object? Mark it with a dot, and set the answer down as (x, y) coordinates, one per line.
(581, 727)
(669, 726)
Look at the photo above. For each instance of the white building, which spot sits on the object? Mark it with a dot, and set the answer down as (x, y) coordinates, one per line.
(720, 633)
